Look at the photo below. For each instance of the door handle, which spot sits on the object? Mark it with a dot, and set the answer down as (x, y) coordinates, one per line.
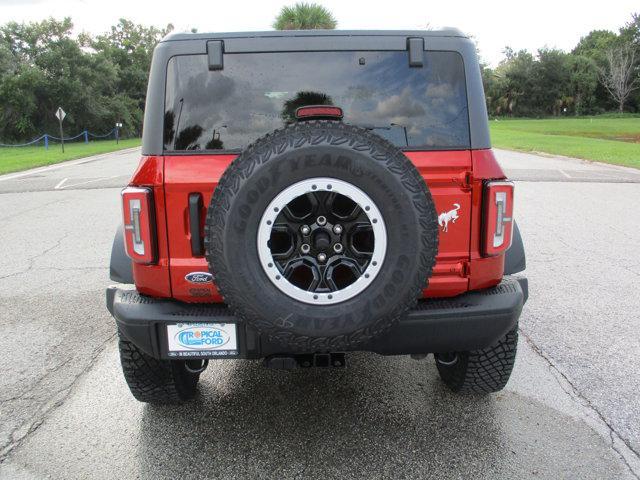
(195, 207)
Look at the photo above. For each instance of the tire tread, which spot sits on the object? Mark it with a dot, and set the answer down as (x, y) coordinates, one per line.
(152, 380)
(482, 371)
(295, 136)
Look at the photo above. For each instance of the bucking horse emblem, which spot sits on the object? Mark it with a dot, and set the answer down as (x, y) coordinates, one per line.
(451, 216)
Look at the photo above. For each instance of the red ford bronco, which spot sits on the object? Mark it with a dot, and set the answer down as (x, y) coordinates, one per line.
(309, 193)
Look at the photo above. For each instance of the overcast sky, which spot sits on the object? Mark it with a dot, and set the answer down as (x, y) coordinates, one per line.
(495, 24)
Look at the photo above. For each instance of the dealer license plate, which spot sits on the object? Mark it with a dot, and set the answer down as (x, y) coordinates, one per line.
(202, 339)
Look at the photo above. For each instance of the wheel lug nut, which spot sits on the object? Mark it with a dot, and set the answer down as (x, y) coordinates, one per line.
(337, 229)
(304, 248)
(337, 247)
(305, 230)
(321, 220)
(322, 257)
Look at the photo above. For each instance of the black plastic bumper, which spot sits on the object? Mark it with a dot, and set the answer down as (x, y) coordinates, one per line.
(467, 322)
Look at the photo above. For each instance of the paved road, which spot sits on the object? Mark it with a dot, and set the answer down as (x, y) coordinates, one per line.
(570, 411)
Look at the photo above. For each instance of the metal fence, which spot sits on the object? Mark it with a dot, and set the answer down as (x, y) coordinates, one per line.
(46, 138)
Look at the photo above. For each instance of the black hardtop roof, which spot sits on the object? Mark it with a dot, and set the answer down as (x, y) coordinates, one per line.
(445, 32)
(176, 44)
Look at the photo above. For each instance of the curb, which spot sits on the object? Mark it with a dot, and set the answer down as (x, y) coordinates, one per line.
(67, 163)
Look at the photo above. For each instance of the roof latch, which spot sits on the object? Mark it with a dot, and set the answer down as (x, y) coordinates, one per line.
(416, 52)
(215, 50)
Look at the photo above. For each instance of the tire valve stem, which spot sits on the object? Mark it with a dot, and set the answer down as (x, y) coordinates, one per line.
(337, 229)
(305, 248)
(322, 257)
(305, 230)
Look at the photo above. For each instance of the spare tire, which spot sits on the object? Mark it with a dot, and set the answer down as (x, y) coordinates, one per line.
(321, 235)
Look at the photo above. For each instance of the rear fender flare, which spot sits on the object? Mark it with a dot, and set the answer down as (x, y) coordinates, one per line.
(121, 267)
(515, 260)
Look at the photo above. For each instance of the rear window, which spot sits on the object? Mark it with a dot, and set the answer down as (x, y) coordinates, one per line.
(415, 108)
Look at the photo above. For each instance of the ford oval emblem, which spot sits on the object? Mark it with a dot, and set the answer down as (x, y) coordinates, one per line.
(198, 277)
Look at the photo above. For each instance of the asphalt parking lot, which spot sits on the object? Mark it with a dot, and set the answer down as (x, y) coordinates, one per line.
(571, 409)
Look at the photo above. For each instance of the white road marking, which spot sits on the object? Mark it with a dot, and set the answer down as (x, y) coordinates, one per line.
(60, 183)
(89, 181)
(565, 173)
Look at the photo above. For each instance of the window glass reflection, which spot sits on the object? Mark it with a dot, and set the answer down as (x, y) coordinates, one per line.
(257, 93)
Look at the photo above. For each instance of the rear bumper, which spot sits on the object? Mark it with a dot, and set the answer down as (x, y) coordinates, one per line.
(467, 322)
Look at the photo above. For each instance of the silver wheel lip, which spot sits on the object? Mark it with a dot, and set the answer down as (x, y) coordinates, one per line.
(321, 184)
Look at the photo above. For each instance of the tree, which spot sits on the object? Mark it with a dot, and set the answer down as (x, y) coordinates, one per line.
(48, 69)
(305, 16)
(552, 90)
(619, 76)
(97, 80)
(583, 81)
(302, 99)
(631, 31)
(595, 44)
(515, 82)
(129, 48)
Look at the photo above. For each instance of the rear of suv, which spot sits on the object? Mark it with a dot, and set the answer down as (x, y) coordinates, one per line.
(302, 195)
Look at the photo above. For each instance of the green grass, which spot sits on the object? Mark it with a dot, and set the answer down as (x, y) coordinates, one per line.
(610, 139)
(13, 159)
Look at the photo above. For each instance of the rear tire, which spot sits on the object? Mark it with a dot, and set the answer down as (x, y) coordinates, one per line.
(479, 371)
(156, 381)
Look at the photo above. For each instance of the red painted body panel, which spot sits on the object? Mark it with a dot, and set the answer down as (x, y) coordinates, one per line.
(453, 177)
(446, 176)
(485, 271)
(185, 175)
(154, 279)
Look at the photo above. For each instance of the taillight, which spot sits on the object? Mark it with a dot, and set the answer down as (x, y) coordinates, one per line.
(498, 217)
(139, 224)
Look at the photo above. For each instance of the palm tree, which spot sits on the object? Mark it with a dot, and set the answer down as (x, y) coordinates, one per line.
(300, 100)
(305, 16)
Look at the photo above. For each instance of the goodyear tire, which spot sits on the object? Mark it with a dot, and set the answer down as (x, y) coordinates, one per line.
(155, 381)
(321, 235)
(479, 371)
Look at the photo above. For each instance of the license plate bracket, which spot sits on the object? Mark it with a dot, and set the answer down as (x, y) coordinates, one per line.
(201, 340)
